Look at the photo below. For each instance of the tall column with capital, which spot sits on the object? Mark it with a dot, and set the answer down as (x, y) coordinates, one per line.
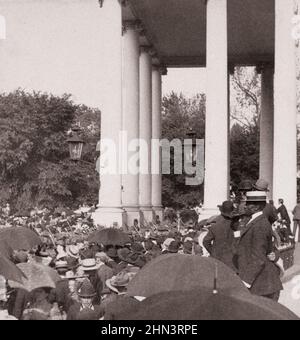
(131, 109)
(216, 183)
(267, 126)
(285, 131)
(145, 133)
(157, 72)
(110, 198)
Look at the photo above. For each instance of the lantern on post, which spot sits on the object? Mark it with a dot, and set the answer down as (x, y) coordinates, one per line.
(75, 144)
(192, 156)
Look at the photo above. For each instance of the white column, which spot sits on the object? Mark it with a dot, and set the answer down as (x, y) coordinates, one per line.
(267, 126)
(216, 187)
(131, 108)
(110, 203)
(285, 145)
(145, 133)
(156, 137)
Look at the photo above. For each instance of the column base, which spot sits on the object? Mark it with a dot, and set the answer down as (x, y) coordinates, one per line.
(132, 213)
(146, 215)
(158, 211)
(110, 217)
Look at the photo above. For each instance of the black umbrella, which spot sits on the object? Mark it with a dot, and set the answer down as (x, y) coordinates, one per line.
(175, 272)
(110, 236)
(9, 270)
(20, 238)
(5, 249)
(203, 304)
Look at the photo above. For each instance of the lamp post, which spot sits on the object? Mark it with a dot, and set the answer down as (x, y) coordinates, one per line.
(75, 145)
(192, 157)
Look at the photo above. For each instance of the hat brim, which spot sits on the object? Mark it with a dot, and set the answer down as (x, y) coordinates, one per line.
(260, 189)
(89, 269)
(110, 286)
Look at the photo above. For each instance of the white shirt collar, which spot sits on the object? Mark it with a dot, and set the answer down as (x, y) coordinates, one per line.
(254, 216)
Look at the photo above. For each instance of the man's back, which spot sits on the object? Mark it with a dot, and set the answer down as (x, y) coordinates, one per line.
(296, 212)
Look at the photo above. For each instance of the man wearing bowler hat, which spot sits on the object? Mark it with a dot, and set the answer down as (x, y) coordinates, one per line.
(259, 274)
(269, 211)
(220, 237)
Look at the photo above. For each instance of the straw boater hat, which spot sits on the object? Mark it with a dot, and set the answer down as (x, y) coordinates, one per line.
(256, 196)
(89, 265)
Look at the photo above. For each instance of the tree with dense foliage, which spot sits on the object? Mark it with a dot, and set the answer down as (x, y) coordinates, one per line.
(179, 115)
(35, 169)
(245, 116)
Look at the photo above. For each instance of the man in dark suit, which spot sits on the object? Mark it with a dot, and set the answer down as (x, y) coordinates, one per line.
(258, 272)
(284, 215)
(220, 237)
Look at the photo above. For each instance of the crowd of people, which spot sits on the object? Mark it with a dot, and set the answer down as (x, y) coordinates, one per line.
(94, 275)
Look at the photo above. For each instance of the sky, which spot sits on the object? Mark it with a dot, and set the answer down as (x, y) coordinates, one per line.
(189, 81)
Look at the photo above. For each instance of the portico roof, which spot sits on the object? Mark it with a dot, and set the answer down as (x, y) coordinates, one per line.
(177, 30)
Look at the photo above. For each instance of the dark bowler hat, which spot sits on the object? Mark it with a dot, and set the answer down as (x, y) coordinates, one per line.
(174, 247)
(246, 185)
(226, 208)
(86, 290)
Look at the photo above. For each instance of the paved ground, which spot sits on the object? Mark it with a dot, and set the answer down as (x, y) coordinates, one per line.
(290, 297)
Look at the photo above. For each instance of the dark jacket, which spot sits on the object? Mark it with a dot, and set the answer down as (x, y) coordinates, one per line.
(253, 264)
(284, 214)
(271, 213)
(219, 241)
(75, 313)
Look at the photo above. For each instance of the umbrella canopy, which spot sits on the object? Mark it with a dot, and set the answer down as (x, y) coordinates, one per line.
(20, 238)
(174, 272)
(110, 236)
(204, 305)
(37, 276)
(5, 249)
(9, 270)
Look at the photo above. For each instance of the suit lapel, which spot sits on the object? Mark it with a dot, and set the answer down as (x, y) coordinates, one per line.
(251, 224)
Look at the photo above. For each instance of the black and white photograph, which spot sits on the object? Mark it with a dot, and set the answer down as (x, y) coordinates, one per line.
(149, 162)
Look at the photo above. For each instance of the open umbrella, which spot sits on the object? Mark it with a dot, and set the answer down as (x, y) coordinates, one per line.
(9, 270)
(175, 272)
(5, 249)
(110, 236)
(37, 276)
(20, 238)
(203, 304)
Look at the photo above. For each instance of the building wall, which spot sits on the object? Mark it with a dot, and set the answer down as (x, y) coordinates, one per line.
(54, 46)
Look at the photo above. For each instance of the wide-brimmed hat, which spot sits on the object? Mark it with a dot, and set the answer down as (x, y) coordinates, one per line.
(89, 265)
(256, 196)
(261, 185)
(121, 280)
(137, 248)
(226, 208)
(162, 228)
(174, 247)
(73, 251)
(61, 265)
(86, 290)
(130, 257)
